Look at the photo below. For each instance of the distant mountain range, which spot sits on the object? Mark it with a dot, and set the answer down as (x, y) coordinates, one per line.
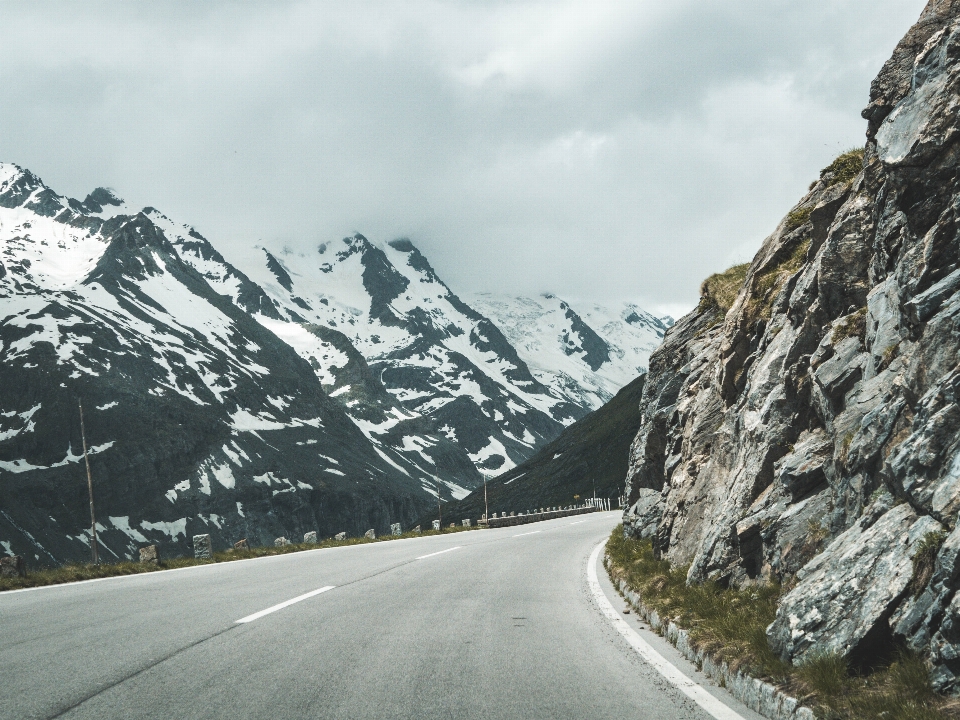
(336, 389)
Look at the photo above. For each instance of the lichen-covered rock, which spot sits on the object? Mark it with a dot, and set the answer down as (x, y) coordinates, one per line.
(641, 518)
(150, 554)
(371, 534)
(310, 537)
(340, 536)
(848, 592)
(806, 422)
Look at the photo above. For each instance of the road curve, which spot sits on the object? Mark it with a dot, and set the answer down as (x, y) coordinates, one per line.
(491, 624)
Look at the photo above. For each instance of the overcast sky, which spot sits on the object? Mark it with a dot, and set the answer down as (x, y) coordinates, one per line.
(600, 150)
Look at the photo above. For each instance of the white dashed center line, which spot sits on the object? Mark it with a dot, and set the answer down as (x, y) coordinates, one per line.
(281, 606)
(439, 552)
(529, 533)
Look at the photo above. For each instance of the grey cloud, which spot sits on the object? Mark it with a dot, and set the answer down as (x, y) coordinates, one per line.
(598, 150)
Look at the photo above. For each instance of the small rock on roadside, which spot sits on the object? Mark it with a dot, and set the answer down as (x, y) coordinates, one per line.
(150, 554)
(12, 566)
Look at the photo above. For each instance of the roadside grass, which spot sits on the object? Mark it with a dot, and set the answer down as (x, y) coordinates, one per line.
(87, 571)
(730, 624)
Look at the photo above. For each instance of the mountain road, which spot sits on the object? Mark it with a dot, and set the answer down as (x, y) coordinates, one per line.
(496, 623)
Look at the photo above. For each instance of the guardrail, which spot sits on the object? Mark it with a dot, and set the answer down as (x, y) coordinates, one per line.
(523, 518)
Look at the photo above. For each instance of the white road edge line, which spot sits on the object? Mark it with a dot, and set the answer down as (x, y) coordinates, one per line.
(529, 533)
(281, 606)
(673, 675)
(439, 552)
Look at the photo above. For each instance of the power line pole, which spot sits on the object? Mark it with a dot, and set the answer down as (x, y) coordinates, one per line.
(439, 511)
(86, 460)
(486, 507)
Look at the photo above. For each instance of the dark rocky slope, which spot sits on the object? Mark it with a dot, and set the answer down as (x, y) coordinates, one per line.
(589, 455)
(808, 430)
(200, 420)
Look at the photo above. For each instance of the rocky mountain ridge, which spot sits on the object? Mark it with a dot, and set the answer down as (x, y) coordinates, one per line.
(337, 392)
(199, 419)
(801, 425)
(465, 380)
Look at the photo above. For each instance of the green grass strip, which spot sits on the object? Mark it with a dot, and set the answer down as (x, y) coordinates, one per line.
(78, 572)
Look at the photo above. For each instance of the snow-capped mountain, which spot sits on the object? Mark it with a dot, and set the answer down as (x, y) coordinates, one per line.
(199, 419)
(587, 354)
(333, 389)
(441, 380)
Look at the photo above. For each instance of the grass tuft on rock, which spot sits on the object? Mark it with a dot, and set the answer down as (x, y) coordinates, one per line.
(845, 167)
(854, 325)
(924, 560)
(721, 289)
(797, 218)
(730, 624)
(768, 283)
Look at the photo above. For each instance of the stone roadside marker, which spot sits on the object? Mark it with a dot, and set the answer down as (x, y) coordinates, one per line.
(310, 537)
(370, 534)
(241, 545)
(466, 523)
(395, 529)
(281, 541)
(12, 566)
(150, 554)
(202, 547)
(340, 536)
(416, 530)
(436, 524)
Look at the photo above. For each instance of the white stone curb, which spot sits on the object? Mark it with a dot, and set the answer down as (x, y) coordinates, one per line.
(759, 696)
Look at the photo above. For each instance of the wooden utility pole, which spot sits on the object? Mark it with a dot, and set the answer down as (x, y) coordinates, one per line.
(86, 460)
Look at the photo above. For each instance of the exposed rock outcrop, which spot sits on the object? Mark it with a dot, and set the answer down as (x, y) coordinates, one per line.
(807, 429)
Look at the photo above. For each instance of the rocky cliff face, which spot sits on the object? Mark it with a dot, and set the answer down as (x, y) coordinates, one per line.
(803, 427)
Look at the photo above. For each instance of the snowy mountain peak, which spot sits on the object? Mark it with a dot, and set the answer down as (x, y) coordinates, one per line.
(588, 353)
(104, 203)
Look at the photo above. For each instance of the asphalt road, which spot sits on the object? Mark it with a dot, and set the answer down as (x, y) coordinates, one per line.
(497, 624)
